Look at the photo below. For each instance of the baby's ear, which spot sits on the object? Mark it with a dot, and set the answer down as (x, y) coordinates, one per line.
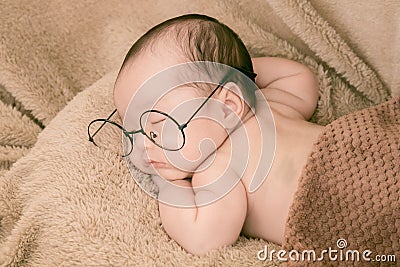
(234, 104)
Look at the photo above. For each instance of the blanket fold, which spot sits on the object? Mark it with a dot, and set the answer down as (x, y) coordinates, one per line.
(349, 190)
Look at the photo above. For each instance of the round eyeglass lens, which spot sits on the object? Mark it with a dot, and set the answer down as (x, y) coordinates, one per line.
(107, 135)
(162, 130)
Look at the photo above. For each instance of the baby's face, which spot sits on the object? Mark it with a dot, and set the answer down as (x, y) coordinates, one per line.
(202, 135)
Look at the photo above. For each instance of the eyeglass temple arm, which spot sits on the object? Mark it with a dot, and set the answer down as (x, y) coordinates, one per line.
(198, 109)
(101, 126)
(115, 110)
(183, 126)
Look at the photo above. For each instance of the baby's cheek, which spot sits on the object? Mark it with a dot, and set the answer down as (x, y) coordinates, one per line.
(206, 138)
(191, 151)
(201, 141)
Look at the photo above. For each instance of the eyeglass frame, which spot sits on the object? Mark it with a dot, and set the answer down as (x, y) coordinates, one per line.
(181, 127)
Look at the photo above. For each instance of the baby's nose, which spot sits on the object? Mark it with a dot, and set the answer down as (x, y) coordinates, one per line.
(143, 142)
(138, 142)
(148, 144)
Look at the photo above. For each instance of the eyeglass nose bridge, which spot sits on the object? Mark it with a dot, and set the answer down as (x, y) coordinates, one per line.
(132, 133)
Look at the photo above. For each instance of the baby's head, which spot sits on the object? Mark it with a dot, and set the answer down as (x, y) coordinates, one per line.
(187, 38)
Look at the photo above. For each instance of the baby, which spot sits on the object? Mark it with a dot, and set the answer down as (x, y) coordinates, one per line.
(291, 90)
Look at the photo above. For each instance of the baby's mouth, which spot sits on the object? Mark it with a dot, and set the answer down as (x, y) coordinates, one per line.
(153, 163)
(157, 164)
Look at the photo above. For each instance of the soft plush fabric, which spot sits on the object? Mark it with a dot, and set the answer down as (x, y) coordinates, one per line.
(65, 202)
(350, 187)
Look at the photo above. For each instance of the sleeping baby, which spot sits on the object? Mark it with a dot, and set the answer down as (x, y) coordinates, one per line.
(186, 138)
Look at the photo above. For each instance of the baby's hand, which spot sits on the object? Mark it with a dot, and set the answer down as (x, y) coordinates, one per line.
(178, 193)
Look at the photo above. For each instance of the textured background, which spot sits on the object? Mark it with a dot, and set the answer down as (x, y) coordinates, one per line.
(62, 200)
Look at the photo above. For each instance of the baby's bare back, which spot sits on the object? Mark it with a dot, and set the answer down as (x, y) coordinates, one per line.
(267, 207)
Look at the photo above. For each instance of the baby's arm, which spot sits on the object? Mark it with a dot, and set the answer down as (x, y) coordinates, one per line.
(201, 229)
(287, 82)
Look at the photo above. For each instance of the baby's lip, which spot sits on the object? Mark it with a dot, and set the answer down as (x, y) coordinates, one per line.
(157, 164)
(154, 163)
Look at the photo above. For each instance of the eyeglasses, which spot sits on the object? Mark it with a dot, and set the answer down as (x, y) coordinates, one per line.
(157, 126)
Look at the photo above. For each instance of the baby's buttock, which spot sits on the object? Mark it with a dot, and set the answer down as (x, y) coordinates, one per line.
(268, 206)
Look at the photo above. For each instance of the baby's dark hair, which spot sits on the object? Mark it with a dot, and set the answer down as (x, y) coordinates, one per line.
(200, 38)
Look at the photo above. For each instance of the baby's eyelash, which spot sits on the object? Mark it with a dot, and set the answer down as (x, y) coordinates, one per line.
(155, 122)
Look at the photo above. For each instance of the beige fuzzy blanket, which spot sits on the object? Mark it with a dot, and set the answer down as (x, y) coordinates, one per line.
(65, 202)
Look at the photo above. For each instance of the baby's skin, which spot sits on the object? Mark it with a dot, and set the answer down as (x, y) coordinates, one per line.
(291, 90)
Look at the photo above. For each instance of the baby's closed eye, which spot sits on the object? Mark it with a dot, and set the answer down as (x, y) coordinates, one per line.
(158, 120)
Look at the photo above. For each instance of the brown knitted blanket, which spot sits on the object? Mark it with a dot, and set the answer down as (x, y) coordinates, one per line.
(348, 194)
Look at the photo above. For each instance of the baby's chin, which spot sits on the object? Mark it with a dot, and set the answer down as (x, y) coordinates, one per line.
(169, 172)
(172, 174)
